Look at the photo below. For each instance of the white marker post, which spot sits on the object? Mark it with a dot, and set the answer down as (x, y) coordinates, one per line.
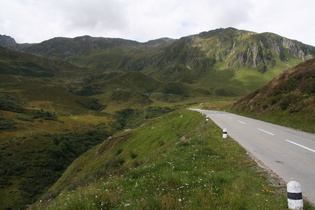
(295, 200)
(224, 133)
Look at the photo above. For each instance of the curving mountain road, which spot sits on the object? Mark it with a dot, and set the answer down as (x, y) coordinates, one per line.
(287, 152)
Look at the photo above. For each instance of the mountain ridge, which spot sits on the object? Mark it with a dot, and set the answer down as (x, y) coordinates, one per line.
(225, 58)
(246, 59)
(225, 38)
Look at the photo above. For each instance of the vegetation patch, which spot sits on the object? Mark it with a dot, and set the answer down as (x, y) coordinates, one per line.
(287, 100)
(193, 168)
(8, 103)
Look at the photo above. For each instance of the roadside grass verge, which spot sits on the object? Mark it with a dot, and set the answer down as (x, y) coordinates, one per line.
(175, 161)
(303, 121)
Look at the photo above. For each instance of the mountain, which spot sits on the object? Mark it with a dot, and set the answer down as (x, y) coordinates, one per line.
(221, 58)
(68, 48)
(61, 97)
(289, 98)
(6, 40)
(199, 57)
(16, 63)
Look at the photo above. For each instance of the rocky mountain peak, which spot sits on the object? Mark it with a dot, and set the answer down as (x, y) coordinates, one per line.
(6, 40)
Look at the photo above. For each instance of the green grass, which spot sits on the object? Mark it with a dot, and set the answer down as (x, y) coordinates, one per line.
(37, 146)
(175, 161)
(50, 109)
(301, 121)
(287, 100)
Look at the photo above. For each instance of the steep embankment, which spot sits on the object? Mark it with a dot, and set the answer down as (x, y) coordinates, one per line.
(176, 161)
(289, 99)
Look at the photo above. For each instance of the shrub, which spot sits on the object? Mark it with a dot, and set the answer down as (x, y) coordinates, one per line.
(10, 104)
(45, 115)
(6, 124)
(284, 103)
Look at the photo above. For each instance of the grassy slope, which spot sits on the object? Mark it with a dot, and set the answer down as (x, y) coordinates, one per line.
(16, 63)
(41, 135)
(175, 161)
(287, 100)
(35, 151)
(220, 60)
(52, 96)
(44, 128)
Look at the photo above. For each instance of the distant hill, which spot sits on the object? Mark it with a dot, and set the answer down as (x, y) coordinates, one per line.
(289, 98)
(68, 48)
(234, 53)
(6, 40)
(16, 63)
(221, 58)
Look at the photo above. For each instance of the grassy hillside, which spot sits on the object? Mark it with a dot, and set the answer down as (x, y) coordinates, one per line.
(41, 134)
(227, 59)
(289, 99)
(52, 112)
(15, 63)
(43, 129)
(176, 161)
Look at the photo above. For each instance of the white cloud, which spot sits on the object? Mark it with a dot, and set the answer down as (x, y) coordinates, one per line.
(142, 20)
(290, 18)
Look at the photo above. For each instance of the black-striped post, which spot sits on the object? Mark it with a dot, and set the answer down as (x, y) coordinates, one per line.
(224, 133)
(295, 200)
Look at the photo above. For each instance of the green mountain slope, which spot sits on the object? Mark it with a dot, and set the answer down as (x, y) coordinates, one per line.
(135, 81)
(68, 48)
(39, 137)
(229, 57)
(15, 63)
(48, 117)
(176, 161)
(288, 99)
(237, 59)
(52, 111)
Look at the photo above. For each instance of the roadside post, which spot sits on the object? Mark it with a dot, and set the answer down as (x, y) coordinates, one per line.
(295, 200)
(224, 133)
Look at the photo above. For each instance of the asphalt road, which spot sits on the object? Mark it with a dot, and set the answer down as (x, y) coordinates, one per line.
(287, 152)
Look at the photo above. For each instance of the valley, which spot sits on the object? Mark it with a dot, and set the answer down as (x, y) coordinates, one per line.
(64, 98)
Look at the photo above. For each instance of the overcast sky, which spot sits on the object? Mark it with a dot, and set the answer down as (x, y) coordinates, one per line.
(33, 21)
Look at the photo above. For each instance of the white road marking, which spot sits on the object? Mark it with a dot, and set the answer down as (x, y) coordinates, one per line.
(266, 132)
(230, 118)
(241, 122)
(304, 147)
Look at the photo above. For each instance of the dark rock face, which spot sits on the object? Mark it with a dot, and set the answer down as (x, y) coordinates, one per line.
(6, 40)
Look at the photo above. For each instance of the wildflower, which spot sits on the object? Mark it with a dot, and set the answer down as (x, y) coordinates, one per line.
(180, 200)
